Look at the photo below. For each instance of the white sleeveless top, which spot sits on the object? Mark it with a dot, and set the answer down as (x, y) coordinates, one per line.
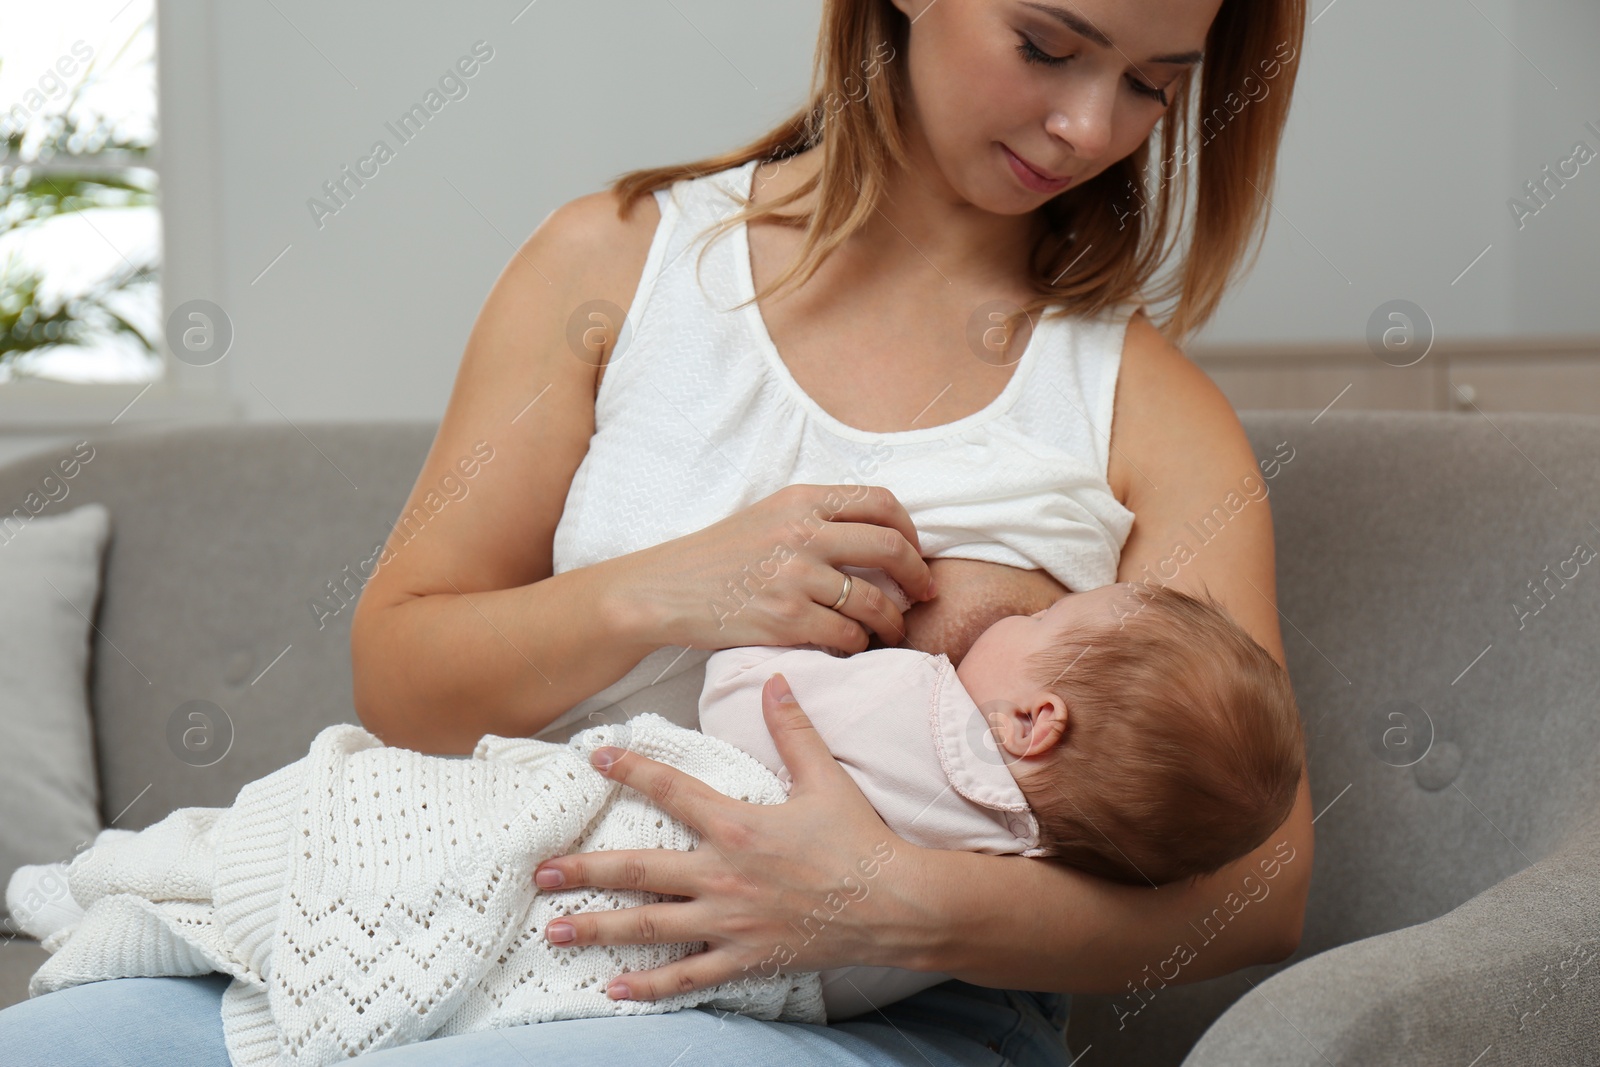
(697, 417)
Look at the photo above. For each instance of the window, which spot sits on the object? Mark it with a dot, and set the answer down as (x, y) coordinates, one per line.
(80, 232)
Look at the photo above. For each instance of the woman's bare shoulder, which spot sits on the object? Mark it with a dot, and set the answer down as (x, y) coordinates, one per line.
(608, 248)
(604, 247)
(614, 242)
(1168, 417)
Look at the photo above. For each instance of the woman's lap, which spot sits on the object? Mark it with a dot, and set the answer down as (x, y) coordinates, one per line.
(177, 1022)
(129, 1022)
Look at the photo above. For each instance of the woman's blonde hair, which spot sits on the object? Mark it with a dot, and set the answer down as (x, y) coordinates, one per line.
(1116, 232)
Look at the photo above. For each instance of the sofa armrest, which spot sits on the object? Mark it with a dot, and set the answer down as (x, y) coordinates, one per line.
(1510, 977)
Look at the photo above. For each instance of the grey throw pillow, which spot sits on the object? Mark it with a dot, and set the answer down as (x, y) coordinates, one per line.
(49, 589)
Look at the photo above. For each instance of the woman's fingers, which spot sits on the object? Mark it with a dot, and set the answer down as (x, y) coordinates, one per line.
(756, 868)
(838, 628)
(683, 795)
(867, 605)
(699, 971)
(804, 751)
(865, 545)
(869, 504)
(655, 870)
(648, 924)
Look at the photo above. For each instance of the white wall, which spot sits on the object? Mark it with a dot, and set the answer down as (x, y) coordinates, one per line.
(1556, 255)
(1392, 176)
(1413, 124)
(366, 317)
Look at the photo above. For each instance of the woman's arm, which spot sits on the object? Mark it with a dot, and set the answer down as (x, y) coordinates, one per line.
(463, 631)
(1178, 450)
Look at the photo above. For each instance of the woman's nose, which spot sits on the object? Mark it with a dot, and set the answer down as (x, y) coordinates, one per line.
(1084, 121)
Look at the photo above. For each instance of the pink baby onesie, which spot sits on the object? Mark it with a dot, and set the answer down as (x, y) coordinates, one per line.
(905, 729)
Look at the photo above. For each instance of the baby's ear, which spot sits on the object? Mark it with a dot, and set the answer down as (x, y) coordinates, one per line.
(1050, 719)
(1011, 726)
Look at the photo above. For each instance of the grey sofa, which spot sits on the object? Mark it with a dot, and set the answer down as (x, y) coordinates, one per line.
(1454, 916)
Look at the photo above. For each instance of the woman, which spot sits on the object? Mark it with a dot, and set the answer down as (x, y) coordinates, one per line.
(915, 195)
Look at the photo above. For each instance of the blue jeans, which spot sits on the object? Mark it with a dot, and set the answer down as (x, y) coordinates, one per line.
(177, 1022)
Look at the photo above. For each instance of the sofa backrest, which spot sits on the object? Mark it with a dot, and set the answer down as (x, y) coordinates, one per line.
(223, 538)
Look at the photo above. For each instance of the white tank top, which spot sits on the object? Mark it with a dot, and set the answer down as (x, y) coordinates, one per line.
(698, 417)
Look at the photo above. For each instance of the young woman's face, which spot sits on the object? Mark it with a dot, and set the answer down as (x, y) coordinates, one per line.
(1064, 87)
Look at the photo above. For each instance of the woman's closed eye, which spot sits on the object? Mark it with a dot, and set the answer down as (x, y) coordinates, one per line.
(1034, 54)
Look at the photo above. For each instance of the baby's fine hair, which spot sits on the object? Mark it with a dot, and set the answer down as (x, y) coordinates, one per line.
(1184, 745)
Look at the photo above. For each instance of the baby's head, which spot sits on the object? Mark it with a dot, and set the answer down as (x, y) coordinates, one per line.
(1154, 739)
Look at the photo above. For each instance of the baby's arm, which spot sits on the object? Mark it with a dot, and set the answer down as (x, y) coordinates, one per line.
(730, 701)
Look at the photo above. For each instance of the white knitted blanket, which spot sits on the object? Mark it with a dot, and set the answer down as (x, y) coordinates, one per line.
(365, 897)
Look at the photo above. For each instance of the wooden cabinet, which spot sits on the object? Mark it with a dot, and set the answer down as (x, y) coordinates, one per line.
(1557, 375)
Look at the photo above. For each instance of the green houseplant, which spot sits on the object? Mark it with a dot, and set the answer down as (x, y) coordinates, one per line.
(80, 160)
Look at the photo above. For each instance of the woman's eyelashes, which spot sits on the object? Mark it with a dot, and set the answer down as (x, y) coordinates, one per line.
(1034, 54)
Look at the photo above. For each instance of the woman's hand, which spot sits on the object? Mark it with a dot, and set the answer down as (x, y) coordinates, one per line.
(769, 573)
(974, 595)
(818, 881)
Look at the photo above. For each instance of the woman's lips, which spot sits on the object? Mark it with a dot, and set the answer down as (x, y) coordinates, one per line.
(1032, 178)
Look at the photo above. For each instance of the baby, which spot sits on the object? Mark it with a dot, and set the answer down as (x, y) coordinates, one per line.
(367, 896)
(1131, 731)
